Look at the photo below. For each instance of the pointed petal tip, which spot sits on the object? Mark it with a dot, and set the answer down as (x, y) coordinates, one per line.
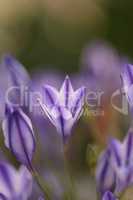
(67, 77)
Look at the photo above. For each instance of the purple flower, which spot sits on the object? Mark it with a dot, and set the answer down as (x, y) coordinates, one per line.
(108, 196)
(115, 166)
(105, 175)
(102, 62)
(18, 74)
(14, 80)
(14, 184)
(127, 78)
(122, 161)
(19, 135)
(63, 108)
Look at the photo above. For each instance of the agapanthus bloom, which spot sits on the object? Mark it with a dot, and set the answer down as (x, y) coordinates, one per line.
(127, 78)
(108, 196)
(14, 184)
(63, 108)
(19, 135)
(115, 168)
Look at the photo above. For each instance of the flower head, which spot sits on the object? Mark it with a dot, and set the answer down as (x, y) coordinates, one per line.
(19, 135)
(63, 108)
(14, 184)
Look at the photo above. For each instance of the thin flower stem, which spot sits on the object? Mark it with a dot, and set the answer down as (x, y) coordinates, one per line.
(40, 182)
(43, 186)
(71, 188)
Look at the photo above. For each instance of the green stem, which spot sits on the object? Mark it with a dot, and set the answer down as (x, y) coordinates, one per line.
(71, 189)
(42, 185)
(40, 182)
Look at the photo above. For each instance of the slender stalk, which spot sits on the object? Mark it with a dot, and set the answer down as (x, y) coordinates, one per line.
(71, 188)
(42, 185)
(40, 182)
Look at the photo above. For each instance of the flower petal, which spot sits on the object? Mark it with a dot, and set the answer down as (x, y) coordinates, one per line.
(128, 145)
(63, 120)
(66, 92)
(2, 197)
(116, 149)
(108, 196)
(78, 102)
(50, 96)
(105, 175)
(18, 73)
(15, 183)
(23, 188)
(127, 78)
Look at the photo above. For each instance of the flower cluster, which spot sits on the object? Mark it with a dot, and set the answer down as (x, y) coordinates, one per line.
(63, 108)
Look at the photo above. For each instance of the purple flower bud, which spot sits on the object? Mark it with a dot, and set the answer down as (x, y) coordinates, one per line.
(115, 166)
(18, 74)
(63, 108)
(105, 175)
(122, 161)
(127, 78)
(108, 196)
(19, 135)
(14, 184)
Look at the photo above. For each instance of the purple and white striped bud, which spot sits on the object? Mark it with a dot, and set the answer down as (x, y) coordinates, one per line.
(122, 161)
(63, 108)
(14, 185)
(115, 166)
(105, 175)
(19, 135)
(108, 196)
(127, 79)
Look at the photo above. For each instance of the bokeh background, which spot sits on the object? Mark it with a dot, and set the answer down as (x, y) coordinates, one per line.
(42, 32)
(52, 38)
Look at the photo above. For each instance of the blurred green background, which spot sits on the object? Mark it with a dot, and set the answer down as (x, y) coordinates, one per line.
(45, 32)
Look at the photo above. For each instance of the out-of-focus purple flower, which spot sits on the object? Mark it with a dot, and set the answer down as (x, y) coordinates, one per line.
(14, 185)
(108, 196)
(18, 74)
(122, 161)
(102, 62)
(19, 135)
(13, 76)
(105, 175)
(115, 166)
(63, 108)
(127, 78)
